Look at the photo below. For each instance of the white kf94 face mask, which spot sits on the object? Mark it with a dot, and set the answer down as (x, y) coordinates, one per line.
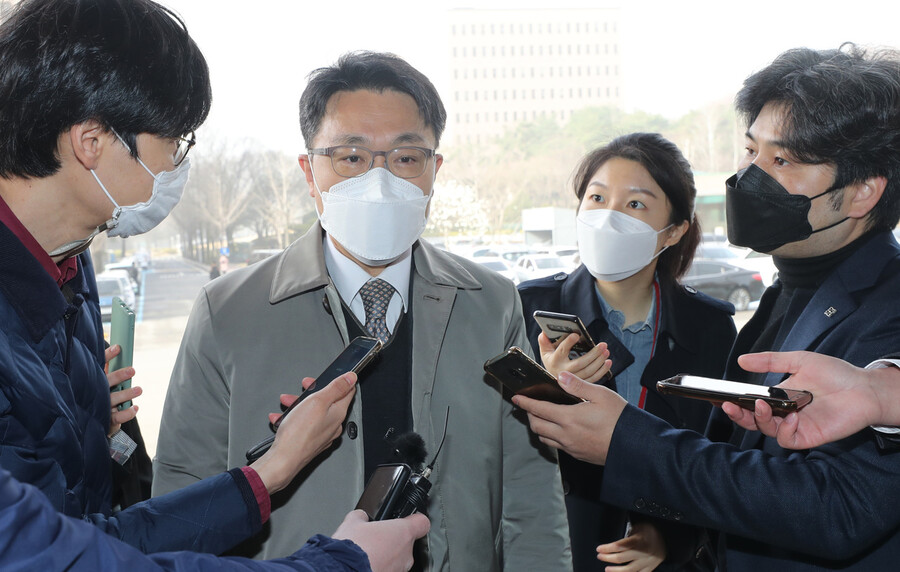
(613, 245)
(168, 186)
(376, 217)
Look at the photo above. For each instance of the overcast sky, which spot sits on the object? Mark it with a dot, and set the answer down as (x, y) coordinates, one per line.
(677, 56)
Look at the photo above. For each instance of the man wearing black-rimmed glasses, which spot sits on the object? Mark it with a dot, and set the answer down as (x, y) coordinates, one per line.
(371, 124)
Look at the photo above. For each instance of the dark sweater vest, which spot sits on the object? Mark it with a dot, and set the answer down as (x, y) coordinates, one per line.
(385, 388)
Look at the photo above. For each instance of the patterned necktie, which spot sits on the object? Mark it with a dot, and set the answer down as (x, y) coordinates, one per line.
(376, 295)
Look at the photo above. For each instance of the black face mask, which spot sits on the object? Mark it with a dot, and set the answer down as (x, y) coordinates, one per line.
(762, 215)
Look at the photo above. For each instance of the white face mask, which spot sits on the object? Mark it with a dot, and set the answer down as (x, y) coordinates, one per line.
(168, 186)
(376, 217)
(613, 245)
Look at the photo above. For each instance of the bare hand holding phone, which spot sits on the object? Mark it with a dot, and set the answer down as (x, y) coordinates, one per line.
(718, 391)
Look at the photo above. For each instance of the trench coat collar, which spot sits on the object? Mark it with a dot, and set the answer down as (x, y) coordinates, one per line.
(301, 267)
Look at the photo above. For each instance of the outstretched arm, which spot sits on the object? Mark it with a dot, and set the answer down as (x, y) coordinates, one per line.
(846, 398)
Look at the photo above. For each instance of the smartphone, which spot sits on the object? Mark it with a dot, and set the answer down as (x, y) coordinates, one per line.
(121, 331)
(356, 356)
(524, 376)
(717, 391)
(556, 326)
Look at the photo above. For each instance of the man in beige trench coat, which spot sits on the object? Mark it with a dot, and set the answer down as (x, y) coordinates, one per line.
(371, 124)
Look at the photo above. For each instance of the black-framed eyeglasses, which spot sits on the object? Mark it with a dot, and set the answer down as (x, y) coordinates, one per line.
(184, 147)
(353, 161)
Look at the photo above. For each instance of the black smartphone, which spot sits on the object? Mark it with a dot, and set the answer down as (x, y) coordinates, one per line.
(121, 331)
(356, 356)
(524, 376)
(717, 391)
(556, 326)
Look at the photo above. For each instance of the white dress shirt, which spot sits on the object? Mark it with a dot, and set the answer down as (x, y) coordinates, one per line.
(349, 277)
(880, 364)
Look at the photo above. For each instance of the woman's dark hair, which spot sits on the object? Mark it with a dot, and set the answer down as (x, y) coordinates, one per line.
(841, 107)
(671, 171)
(372, 71)
(128, 64)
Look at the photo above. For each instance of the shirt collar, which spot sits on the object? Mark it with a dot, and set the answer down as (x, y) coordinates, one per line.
(349, 277)
(61, 273)
(616, 319)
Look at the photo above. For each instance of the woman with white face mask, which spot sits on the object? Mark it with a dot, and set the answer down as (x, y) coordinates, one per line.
(636, 235)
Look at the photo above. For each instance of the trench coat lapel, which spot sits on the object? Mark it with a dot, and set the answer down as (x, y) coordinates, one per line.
(436, 278)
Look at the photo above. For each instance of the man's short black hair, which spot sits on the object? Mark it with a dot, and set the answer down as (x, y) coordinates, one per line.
(128, 64)
(841, 107)
(372, 71)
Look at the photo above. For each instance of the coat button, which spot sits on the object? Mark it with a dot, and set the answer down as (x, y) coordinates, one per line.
(566, 487)
(352, 430)
(640, 504)
(326, 304)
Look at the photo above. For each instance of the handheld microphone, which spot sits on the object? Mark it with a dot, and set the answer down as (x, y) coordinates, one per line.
(397, 490)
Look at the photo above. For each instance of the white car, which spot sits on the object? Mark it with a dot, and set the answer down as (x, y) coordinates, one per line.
(498, 265)
(110, 286)
(533, 266)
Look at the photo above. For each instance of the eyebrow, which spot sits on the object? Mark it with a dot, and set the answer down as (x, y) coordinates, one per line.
(780, 143)
(636, 190)
(361, 140)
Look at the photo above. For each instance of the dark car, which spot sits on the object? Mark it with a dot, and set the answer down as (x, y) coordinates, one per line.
(725, 281)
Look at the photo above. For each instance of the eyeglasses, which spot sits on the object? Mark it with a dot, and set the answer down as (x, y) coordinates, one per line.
(350, 161)
(184, 147)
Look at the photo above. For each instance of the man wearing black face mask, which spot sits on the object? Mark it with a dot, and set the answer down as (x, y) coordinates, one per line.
(819, 188)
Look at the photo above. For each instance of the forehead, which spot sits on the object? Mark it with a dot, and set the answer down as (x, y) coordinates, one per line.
(365, 117)
(766, 128)
(623, 174)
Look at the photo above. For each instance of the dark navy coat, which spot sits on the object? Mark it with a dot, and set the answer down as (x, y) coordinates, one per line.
(36, 537)
(55, 412)
(694, 336)
(833, 507)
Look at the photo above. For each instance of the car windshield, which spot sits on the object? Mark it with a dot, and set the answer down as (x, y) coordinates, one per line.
(108, 287)
(549, 262)
(495, 265)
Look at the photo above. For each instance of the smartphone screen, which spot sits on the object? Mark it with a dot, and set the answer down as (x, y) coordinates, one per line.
(121, 332)
(355, 357)
(717, 391)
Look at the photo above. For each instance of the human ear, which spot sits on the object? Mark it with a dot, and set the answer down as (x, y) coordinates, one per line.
(865, 195)
(306, 165)
(676, 232)
(88, 139)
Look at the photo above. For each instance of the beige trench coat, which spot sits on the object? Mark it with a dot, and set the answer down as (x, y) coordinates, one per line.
(496, 502)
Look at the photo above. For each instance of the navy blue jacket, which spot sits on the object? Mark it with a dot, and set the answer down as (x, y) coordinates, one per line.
(36, 537)
(695, 335)
(835, 506)
(55, 412)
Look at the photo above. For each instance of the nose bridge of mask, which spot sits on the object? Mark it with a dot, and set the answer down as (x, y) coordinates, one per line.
(617, 221)
(378, 184)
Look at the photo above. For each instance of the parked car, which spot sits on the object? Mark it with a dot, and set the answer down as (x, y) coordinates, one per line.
(743, 257)
(498, 265)
(533, 266)
(129, 265)
(113, 285)
(725, 281)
